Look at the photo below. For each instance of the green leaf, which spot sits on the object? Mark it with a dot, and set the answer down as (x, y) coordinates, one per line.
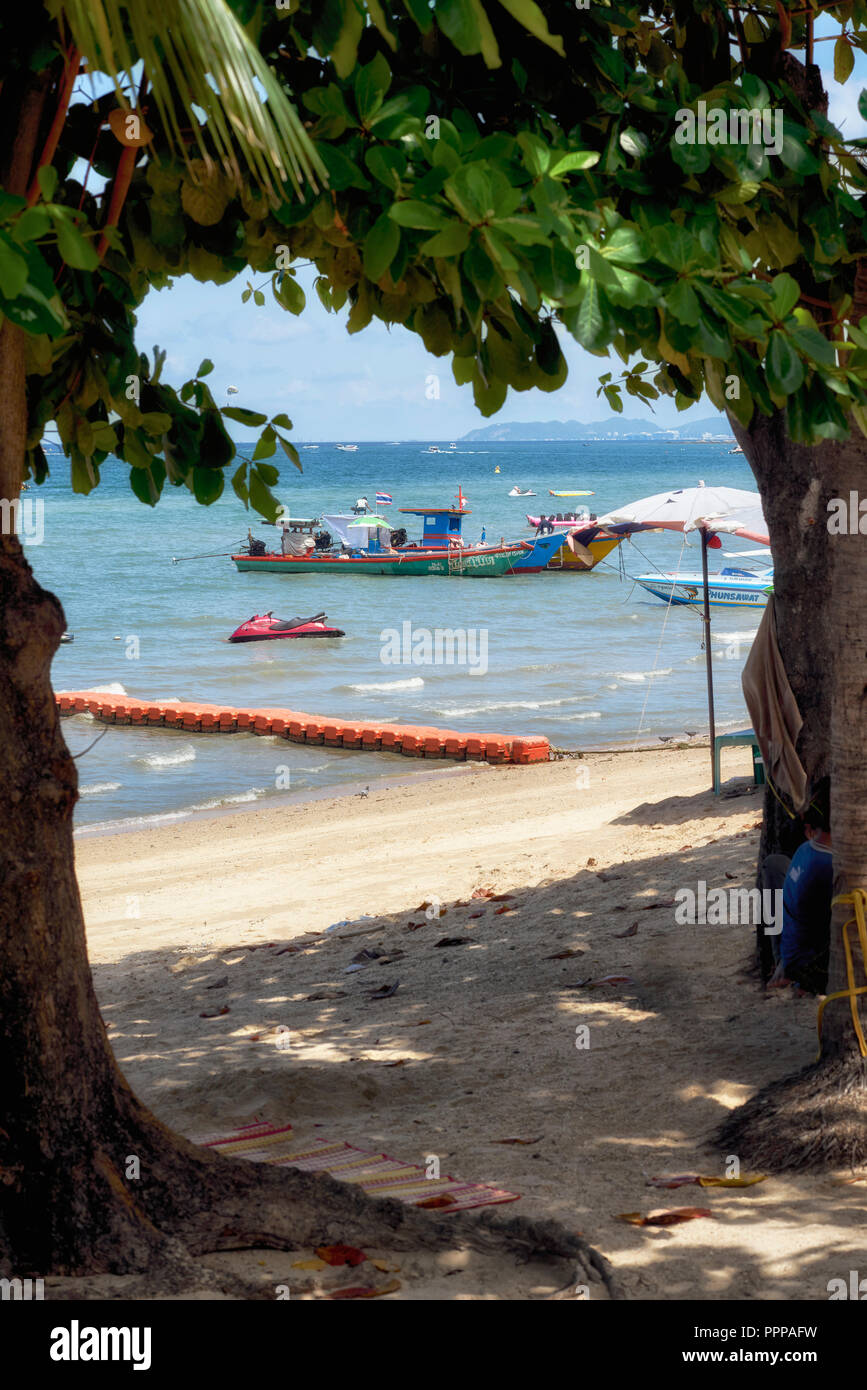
(258, 298)
(412, 213)
(147, 483)
(261, 499)
(33, 223)
(75, 249)
(578, 159)
(290, 294)
(682, 301)
(282, 420)
(634, 142)
(207, 485)
(239, 483)
(266, 444)
(290, 451)
(591, 320)
(13, 268)
(380, 246)
(459, 21)
(844, 59)
(47, 178)
(786, 292)
(795, 153)
(253, 418)
(371, 84)
(155, 422)
(386, 165)
(783, 366)
(451, 241)
(528, 14)
(205, 368)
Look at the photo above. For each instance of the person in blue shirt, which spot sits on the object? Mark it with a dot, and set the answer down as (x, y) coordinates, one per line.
(808, 887)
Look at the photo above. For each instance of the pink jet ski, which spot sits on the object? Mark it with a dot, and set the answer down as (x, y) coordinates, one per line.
(265, 627)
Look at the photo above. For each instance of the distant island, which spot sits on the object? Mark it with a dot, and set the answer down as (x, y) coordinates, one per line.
(712, 427)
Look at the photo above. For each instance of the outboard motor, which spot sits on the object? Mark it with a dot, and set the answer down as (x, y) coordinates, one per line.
(322, 540)
(398, 538)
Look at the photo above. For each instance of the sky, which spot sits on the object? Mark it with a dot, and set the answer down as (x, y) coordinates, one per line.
(377, 384)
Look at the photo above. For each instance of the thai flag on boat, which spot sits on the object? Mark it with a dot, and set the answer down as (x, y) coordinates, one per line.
(383, 499)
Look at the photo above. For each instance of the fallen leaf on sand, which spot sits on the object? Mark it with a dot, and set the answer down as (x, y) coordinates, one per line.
(326, 994)
(732, 1182)
(483, 892)
(422, 1021)
(729, 874)
(384, 991)
(476, 914)
(683, 847)
(501, 897)
(364, 1291)
(414, 926)
(630, 931)
(564, 955)
(341, 1254)
(309, 1264)
(401, 1062)
(453, 941)
(443, 1200)
(215, 1013)
(500, 910)
(384, 1267)
(672, 1217)
(516, 1140)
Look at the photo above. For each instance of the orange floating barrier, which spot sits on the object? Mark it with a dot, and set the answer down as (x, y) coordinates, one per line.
(413, 741)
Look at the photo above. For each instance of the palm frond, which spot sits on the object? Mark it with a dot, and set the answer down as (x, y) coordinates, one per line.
(196, 55)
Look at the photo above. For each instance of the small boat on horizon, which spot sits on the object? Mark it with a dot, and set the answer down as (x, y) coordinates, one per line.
(348, 448)
(736, 450)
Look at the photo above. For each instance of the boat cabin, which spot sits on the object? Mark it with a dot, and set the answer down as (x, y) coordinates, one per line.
(441, 525)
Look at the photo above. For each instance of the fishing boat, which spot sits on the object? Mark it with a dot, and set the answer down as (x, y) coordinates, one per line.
(367, 544)
(736, 450)
(264, 627)
(730, 588)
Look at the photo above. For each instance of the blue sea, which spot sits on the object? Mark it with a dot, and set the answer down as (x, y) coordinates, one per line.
(586, 659)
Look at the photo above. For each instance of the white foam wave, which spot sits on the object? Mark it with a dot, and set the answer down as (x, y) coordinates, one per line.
(94, 788)
(734, 636)
(239, 799)
(414, 683)
(589, 714)
(637, 676)
(186, 754)
(506, 704)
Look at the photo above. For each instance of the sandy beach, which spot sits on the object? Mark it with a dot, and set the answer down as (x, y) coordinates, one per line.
(478, 1044)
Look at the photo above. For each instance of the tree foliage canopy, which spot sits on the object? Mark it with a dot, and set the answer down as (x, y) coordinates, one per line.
(479, 172)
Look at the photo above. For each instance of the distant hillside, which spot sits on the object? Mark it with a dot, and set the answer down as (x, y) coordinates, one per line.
(616, 428)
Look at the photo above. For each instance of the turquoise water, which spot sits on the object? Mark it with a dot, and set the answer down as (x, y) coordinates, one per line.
(585, 659)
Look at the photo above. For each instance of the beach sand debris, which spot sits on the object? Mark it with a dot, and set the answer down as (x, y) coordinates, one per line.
(443, 1199)
(219, 984)
(453, 941)
(516, 1139)
(366, 1290)
(384, 991)
(325, 994)
(565, 955)
(630, 931)
(674, 1216)
(216, 1013)
(590, 983)
(696, 1179)
(340, 1254)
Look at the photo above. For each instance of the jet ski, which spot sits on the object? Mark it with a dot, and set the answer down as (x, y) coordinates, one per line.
(521, 492)
(265, 627)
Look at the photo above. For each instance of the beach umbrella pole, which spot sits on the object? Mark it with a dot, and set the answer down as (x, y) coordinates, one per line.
(707, 647)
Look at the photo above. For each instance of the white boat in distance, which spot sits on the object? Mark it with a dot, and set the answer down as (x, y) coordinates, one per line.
(731, 588)
(349, 448)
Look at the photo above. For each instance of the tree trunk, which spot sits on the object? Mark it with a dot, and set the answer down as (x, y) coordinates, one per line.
(817, 1118)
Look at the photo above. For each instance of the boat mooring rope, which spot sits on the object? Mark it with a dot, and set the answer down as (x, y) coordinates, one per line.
(857, 900)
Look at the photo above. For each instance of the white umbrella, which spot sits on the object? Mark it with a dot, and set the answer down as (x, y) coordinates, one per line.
(708, 510)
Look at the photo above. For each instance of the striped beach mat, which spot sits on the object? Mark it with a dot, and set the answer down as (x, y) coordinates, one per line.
(377, 1174)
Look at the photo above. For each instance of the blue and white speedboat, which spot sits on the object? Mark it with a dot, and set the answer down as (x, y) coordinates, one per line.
(730, 588)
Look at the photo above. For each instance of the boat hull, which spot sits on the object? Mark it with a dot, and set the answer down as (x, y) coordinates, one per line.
(689, 592)
(567, 562)
(468, 564)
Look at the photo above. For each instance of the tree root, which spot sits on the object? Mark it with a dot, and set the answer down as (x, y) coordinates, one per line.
(810, 1122)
